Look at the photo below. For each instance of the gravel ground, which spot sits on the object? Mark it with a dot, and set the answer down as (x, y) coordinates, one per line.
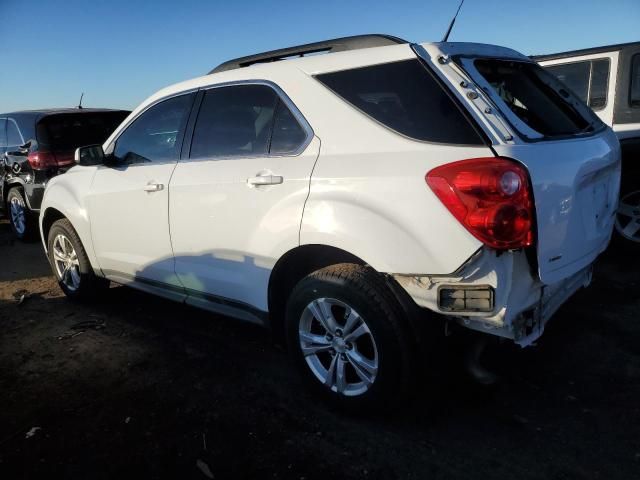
(136, 385)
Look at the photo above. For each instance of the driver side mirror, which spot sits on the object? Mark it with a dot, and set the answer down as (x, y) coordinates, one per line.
(89, 156)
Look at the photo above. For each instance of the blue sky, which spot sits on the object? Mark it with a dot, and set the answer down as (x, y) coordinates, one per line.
(120, 51)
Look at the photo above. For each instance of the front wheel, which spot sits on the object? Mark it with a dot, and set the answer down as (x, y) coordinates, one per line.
(346, 333)
(70, 263)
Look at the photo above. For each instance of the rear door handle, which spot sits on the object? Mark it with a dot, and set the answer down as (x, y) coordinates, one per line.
(265, 180)
(153, 187)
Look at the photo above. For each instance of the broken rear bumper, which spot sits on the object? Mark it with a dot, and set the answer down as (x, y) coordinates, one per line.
(520, 306)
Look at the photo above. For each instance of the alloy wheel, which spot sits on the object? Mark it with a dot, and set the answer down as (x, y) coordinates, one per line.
(18, 215)
(628, 217)
(66, 262)
(338, 346)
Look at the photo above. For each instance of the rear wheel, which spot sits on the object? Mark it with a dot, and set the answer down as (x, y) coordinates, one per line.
(21, 218)
(70, 263)
(346, 333)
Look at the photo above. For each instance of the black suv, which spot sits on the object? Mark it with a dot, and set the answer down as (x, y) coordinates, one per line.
(37, 145)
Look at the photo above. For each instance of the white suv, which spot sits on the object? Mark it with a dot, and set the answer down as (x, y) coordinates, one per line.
(341, 197)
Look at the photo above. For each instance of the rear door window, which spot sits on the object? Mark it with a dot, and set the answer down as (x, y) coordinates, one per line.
(634, 95)
(68, 131)
(522, 87)
(14, 138)
(404, 97)
(288, 135)
(245, 121)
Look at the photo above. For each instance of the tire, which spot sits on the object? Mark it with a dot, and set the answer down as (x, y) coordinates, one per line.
(383, 353)
(70, 264)
(22, 219)
(627, 230)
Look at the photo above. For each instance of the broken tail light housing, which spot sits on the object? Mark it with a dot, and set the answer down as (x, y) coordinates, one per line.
(491, 197)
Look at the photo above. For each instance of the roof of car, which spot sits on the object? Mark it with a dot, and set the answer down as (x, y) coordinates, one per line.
(585, 51)
(342, 44)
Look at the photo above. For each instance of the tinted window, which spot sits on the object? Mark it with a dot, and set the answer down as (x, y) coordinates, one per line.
(599, 84)
(522, 87)
(634, 98)
(68, 131)
(575, 76)
(288, 135)
(156, 134)
(234, 121)
(14, 139)
(3, 132)
(404, 97)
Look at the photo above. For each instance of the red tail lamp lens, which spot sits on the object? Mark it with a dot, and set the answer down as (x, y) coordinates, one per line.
(491, 197)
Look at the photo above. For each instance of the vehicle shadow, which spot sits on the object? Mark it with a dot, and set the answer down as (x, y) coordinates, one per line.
(181, 375)
(20, 260)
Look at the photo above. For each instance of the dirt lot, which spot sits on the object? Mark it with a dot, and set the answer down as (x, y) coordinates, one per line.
(138, 385)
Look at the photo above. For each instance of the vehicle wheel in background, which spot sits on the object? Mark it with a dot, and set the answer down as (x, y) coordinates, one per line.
(23, 221)
(628, 220)
(70, 263)
(346, 333)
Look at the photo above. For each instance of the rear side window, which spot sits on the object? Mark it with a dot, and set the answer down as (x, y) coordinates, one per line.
(245, 121)
(588, 80)
(404, 97)
(521, 87)
(634, 97)
(68, 131)
(288, 135)
(14, 139)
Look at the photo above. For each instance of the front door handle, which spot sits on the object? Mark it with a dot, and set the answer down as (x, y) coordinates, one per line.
(153, 187)
(265, 180)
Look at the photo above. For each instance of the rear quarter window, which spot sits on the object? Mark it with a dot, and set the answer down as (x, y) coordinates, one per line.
(404, 97)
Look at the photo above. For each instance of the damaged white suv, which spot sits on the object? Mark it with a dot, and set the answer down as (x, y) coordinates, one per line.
(341, 197)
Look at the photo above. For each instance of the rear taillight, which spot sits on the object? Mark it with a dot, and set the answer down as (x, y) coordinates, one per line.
(491, 197)
(40, 160)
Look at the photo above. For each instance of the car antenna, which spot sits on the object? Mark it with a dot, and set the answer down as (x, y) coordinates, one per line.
(80, 103)
(453, 20)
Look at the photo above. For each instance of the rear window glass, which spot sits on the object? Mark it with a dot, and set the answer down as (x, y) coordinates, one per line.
(634, 97)
(70, 131)
(521, 87)
(404, 97)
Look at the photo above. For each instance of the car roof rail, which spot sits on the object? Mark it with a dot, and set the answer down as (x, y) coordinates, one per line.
(342, 44)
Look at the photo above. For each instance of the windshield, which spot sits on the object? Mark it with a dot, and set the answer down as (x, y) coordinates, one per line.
(525, 89)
